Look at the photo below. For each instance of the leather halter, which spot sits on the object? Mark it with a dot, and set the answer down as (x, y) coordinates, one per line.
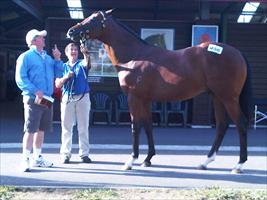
(84, 33)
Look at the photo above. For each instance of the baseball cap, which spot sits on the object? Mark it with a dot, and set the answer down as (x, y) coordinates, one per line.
(32, 34)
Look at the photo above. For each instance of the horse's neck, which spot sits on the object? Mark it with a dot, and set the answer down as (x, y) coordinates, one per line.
(120, 44)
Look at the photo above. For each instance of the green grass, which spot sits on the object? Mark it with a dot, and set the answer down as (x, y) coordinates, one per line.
(6, 192)
(96, 194)
(217, 193)
(212, 193)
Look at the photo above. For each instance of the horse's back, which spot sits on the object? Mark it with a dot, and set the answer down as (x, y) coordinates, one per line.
(183, 74)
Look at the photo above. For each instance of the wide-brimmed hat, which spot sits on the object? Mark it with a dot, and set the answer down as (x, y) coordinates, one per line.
(32, 34)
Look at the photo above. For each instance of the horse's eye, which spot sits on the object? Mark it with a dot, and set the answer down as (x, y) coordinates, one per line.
(94, 23)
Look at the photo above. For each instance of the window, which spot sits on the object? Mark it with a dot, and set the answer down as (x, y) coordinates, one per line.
(100, 62)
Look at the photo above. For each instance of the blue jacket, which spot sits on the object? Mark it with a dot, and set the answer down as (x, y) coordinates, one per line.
(36, 71)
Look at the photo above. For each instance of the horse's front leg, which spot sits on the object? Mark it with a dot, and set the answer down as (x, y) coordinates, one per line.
(151, 147)
(136, 127)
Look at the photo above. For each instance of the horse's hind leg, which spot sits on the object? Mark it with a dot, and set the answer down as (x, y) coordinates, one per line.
(234, 110)
(221, 127)
(150, 141)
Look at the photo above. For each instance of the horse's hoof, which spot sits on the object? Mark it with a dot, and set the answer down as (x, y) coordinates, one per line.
(236, 171)
(126, 167)
(146, 164)
(202, 167)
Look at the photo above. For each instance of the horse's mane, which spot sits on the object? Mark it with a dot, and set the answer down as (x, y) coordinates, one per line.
(130, 31)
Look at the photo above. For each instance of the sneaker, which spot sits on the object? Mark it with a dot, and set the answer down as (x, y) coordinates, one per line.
(65, 159)
(25, 165)
(41, 162)
(86, 159)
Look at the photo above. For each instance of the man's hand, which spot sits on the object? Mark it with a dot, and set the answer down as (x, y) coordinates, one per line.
(56, 53)
(39, 94)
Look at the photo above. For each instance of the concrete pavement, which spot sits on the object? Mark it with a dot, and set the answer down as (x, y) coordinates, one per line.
(169, 170)
(179, 151)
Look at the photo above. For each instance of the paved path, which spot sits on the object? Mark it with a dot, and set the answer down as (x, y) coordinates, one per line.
(179, 151)
(170, 169)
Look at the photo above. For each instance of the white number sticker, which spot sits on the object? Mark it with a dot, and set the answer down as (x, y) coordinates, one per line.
(215, 48)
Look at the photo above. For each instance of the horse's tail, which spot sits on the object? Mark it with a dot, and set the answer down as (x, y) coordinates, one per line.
(246, 96)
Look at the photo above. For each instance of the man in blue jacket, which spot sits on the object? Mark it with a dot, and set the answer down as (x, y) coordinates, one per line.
(35, 74)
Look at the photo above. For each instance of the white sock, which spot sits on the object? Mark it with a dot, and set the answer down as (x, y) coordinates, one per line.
(36, 153)
(26, 154)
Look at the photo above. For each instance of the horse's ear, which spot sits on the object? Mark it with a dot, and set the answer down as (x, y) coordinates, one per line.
(109, 12)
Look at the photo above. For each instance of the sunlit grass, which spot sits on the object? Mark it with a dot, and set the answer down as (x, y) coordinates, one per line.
(217, 193)
(97, 194)
(211, 193)
(6, 192)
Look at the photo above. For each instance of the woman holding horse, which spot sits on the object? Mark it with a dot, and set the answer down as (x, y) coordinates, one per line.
(75, 103)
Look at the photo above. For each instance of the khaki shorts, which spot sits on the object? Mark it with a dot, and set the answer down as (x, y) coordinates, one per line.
(37, 117)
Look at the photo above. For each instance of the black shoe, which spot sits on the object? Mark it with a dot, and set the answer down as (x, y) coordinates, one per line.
(65, 160)
(86, 159)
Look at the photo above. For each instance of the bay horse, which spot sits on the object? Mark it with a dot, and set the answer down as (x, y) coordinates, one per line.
(148, 73)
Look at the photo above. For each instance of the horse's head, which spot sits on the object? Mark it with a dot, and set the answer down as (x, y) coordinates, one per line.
(89, 28)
